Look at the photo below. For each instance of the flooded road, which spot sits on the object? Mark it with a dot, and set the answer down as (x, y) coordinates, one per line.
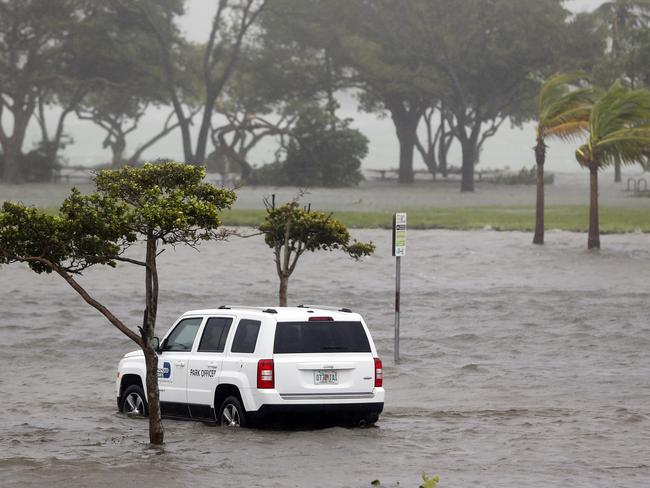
(522, 367)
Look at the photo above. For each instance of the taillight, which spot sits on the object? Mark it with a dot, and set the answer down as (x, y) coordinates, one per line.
(320, 319)
(265, 373)
(379, 373)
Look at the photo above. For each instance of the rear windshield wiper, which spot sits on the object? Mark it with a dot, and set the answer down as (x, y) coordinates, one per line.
(335, 348)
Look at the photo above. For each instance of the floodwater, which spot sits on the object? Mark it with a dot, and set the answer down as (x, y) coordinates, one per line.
(522, 367)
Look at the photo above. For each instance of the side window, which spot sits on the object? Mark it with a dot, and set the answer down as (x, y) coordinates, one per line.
(214, 335)
(246, 336)
(182, 337)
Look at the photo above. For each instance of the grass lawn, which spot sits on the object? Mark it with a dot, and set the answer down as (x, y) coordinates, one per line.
(570, 218)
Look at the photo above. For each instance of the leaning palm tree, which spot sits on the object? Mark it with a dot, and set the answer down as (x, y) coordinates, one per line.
(619, 129)
(620, 17)
(563, 109)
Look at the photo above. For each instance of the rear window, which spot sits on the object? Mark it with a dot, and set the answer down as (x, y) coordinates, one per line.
(314, 337)
(246, 336)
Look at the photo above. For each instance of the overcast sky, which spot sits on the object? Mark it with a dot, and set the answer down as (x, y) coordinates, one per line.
(510, 147)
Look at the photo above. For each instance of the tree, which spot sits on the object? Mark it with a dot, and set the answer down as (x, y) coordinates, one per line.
(211, 65)
(483, 60)
(118, 98)
(270, 87)
(32, 36)
(624, 19)
(435, 149)
(563, 109)
(158, 205)
(619, 129)
(392, 78)
(291, 230)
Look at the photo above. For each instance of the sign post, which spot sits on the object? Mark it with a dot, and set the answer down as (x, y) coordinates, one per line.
(399, 250)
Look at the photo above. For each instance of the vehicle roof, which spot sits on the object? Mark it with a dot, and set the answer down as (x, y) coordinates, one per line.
(283, 314)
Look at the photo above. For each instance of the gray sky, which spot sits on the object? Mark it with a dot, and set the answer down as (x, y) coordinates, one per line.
(510, 147)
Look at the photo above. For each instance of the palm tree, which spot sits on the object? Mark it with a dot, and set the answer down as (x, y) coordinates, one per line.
(619, 129)
(621, 16)
(563, 109)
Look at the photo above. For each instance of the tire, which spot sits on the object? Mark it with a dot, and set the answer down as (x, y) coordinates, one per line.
(232, 413)
(134, 402)
(371, 420)
(365, 422)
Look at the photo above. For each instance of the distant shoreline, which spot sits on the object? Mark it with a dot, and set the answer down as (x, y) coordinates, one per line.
(430, 205)
(572, 218)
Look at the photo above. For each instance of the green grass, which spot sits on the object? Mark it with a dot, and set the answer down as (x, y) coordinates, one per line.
(570, 218)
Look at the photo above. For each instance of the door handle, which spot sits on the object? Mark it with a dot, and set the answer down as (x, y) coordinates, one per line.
(212, 365)
(180, 364)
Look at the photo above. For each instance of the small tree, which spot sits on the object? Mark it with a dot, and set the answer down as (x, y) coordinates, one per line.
(291, 230)
(157, 205)
(563, 108)
(619, 130)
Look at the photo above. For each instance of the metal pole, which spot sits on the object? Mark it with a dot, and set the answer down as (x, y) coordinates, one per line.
(397, 297)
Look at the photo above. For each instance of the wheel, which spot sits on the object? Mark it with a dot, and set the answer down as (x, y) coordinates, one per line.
(232, 413)
(134, 402)
(371, 420)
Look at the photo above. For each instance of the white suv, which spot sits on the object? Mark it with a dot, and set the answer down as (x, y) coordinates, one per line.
(238, 365)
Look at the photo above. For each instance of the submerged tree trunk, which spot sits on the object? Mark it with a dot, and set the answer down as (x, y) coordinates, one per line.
(284, 285)
(593, 241)
(540, 158)
(156, 431)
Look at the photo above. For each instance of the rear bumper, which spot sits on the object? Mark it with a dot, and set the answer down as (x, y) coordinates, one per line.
(314, 412)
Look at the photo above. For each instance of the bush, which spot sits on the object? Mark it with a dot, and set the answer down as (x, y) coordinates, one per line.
(322, 151)
(273, 174)
(524, 177)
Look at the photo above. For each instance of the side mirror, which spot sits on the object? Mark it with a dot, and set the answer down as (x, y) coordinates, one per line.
(155, 342)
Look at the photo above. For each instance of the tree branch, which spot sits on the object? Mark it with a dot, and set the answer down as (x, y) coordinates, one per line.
(87, 297)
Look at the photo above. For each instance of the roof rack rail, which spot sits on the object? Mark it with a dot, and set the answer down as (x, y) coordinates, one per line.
(326, 307)
(261, 309)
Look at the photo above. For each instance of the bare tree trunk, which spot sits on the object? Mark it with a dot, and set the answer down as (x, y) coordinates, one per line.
(11, 171)
(540, 158)
(617, 171)
(443, 152)
(284, 284)
(117, 148)
(593, 241)
(467, 170)
(406, 146)
(406, 124)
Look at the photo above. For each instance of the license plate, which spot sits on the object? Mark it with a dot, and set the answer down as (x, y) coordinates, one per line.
(326, 377)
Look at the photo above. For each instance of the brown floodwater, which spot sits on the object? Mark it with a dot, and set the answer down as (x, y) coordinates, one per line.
(522, 367)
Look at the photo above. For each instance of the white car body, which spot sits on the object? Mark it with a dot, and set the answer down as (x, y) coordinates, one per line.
(193, 382)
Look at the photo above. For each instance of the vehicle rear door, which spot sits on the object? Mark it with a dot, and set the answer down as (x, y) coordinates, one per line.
(205, 366)
(323, 358)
